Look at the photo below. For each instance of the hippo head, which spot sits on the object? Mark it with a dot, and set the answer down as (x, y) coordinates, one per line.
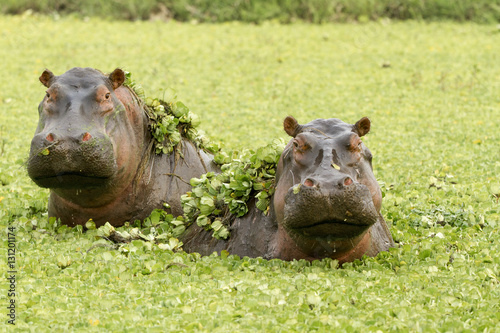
(326, 196)
(88, 136)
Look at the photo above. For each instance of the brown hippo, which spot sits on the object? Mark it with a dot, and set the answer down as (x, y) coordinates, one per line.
(326, 204)
(93, 149)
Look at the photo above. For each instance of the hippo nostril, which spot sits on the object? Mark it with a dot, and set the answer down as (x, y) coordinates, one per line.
(309, 182)
(50, 137)
(86, 137)
(347, 181)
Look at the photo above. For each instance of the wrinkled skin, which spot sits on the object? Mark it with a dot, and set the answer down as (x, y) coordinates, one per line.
(326, 204)
(92, 148)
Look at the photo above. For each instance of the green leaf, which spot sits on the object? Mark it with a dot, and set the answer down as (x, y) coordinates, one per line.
(106, 230)
(216, 225)
(198, 191)
(262, 204)
(169, 95)
(90, 225)
(222, 233)
(202, 220)
(207, 205)
(154, 217)
(180, 109)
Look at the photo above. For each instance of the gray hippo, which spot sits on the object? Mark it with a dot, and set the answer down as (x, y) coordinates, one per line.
(326, 204)
(93, 150)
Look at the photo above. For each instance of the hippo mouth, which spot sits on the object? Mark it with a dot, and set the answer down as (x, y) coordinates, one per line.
(329, 215)
(71, 180)
(77, 169)
(332, 229)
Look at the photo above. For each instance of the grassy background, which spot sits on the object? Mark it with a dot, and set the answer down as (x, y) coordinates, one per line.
(256, 11)
(431, 91)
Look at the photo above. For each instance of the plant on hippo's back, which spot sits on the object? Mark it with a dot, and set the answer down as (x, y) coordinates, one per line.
(216, 199)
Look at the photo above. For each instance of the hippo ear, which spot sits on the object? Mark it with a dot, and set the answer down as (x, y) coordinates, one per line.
(117, 78)
(46, 77)
(362, 126)
(291, 126)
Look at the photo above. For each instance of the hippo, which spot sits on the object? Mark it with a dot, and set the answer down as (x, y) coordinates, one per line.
(93, 150)
(326, 202)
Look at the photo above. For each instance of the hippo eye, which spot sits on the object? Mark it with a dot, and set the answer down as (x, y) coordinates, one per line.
(107, 95)
(356, 146)
(47, 94)
(295, 144)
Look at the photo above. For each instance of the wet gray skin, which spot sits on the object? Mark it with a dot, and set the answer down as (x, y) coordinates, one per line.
(326, 205)
(93, 149)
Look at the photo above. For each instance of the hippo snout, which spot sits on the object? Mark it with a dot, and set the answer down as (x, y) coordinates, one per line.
(343, 211)
(80, 160)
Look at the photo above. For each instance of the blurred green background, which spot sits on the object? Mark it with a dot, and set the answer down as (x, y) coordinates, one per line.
(256, 11)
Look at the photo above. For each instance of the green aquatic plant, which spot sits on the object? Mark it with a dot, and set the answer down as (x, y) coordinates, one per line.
(216, 199)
